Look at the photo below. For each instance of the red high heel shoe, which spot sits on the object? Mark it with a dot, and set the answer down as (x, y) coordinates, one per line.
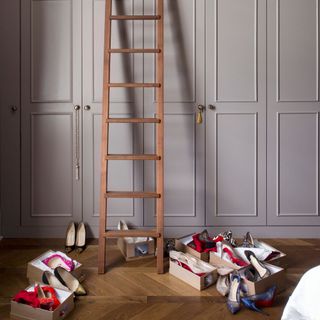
(47, 297)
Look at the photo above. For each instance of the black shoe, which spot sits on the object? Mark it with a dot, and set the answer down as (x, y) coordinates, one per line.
(261, 269)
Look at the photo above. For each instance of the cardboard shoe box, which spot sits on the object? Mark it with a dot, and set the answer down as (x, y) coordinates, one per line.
(181, 244)
(130, 252)
(277, 278)
(36, 267)
(198, 282)
(20, 311)
(280, 260)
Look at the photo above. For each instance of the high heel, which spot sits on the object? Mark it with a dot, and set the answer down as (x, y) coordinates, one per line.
(68, 280)
(81, 237)
(262, 270)
(252, 306)
(47, 297)
(57, 260)
(70, 237)
(248, 241)
(233, 301)
(51, 280)
(265, 299)
(227, 236)
(223, 285)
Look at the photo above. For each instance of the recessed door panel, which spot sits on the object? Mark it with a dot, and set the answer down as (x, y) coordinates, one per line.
(50, 123)
(297, 24)
(293, 112)
(184, 90)
(235, 56)
(298, 164)
(235, 114)
(51, 50)
(236, 164)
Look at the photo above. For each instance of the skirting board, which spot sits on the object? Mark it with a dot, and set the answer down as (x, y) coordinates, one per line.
(173, 232)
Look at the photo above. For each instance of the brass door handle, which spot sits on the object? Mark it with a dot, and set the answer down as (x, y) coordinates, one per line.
(200, 108)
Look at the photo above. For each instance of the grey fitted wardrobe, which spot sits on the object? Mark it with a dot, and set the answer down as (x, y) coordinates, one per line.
(252, 164)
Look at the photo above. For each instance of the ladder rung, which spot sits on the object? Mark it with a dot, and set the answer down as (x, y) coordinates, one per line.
(134, 85)
(132, 157)
(129, 194)
(131, 233)
(133, 120)
(136, 17)
(134, 50)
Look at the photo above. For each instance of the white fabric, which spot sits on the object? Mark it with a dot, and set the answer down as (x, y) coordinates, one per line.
(304, 303)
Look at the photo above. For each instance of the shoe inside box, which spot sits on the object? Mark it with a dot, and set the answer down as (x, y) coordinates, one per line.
(42, 266)
(277, 277)
(61, 294)
(261, 253)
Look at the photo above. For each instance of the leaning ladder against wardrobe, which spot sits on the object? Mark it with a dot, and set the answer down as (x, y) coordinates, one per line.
(105, 193)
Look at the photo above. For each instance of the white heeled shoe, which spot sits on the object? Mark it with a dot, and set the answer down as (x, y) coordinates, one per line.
(196, 265)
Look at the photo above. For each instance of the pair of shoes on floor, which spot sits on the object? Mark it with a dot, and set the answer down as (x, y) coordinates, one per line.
(253, 302)
(64, 280)
(75, 237)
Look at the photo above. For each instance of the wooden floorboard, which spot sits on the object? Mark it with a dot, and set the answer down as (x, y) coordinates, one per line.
(133, 290)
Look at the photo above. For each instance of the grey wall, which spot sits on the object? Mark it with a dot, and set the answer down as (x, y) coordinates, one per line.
(252, 164)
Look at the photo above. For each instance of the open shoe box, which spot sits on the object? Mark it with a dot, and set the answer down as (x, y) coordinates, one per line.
(20, 311)
(36, 267)
(276, 278)
(198, 282)
(181, 244)
(279, 260)
(128, 249)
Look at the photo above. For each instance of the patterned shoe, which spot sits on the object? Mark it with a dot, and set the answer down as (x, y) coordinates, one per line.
(233, 301)
(227, 236)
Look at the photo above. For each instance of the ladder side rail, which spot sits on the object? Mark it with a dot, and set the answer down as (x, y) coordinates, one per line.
(104, 139)
(160, 136)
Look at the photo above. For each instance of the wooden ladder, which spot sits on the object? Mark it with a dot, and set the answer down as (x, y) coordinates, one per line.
(105, 194)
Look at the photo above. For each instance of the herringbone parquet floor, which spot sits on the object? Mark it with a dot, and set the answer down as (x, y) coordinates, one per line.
(133, 290)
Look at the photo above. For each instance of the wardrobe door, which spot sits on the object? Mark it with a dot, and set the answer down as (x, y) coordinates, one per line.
(124, 138)
(10, 118)
(236, 112)
(184, 140)
(293, 112)
(50, 125)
